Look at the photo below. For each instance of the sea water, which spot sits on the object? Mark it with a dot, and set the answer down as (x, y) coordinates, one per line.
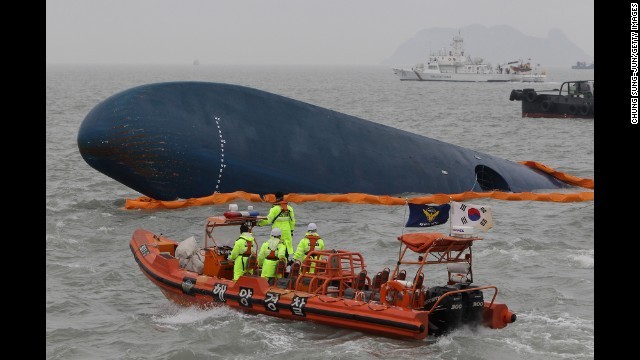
(540, 255)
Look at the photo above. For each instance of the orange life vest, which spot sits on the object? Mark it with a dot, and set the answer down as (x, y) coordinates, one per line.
(248, 251)
(272, 255)
(284, 210)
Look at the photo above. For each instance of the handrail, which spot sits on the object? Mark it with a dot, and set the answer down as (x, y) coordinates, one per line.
(464, 290)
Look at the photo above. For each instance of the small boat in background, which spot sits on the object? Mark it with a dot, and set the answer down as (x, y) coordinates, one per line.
(521, 67)
(574, 99)
(526, 72)
(535, 78)
(582, 65)
(330, 287)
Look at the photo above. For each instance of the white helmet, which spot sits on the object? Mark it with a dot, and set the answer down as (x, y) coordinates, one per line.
(312, 227)
(276, 232)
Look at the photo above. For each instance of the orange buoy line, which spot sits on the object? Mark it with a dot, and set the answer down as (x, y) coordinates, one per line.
(569, 179)
(145, 202)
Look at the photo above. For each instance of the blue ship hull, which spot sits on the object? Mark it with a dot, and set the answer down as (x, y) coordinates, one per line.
(191, 139)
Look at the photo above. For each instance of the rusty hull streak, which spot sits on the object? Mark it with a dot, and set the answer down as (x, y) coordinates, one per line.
(137, 152)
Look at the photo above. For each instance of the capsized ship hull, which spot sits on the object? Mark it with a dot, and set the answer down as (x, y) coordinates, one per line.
(191, 139)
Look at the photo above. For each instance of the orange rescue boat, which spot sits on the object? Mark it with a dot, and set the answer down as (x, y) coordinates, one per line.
(332, 287)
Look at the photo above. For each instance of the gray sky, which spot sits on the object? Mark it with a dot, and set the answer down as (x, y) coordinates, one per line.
(322, 32)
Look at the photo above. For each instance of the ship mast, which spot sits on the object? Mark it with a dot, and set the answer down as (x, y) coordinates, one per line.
(456, 45)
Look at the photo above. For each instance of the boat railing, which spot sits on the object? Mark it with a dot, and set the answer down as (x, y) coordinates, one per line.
(445, 295)
(421, 249)
(218, 221)
(322, 269)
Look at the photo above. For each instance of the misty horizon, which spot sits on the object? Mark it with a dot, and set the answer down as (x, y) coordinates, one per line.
(283, 32)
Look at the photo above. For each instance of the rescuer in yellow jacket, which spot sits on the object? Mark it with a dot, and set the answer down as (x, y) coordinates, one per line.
(270, 252)
(281, 216)
(311, 241)
(241, 251)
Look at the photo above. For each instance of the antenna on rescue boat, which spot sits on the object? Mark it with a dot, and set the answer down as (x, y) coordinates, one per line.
(450, 214)
(404, 221)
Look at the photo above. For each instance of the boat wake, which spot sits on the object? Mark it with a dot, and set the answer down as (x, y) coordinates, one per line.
(536, 339)
(174, 316)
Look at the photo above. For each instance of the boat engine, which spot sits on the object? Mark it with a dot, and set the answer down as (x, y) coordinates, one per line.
(472, 305)
(448, 314)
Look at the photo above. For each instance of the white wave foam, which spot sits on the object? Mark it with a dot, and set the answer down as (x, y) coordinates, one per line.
(66, 265)
(527, 351)
(540, 338)
(564, 320)
(89, 267)
(193, 315)
(445, 340)
(70, 240)
(278, 342)
(59, 238)
(582, 259)
(514, 253)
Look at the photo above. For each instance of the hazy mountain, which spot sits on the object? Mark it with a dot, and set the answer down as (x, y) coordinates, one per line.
(497, 44)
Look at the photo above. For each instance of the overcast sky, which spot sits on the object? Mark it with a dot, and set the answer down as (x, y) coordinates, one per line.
(322, 32)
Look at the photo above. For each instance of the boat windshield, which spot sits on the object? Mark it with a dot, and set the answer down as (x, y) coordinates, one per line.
(579, 88)
(225, 235)
(586, 87)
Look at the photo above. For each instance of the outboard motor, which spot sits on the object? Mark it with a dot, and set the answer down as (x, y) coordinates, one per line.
(448, 314)
(472, 305)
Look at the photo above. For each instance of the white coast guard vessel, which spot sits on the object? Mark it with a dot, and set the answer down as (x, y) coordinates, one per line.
(454, 65)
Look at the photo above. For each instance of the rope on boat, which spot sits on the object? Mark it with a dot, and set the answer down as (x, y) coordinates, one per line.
(355, 302)
(383, 307)
(334, 299)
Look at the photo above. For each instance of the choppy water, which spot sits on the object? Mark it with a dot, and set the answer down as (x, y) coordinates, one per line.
(540, 255)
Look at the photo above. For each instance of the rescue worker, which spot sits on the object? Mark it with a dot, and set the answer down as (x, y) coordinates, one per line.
(270, 252)
(281, 216)
(311, 241)
(241, 251)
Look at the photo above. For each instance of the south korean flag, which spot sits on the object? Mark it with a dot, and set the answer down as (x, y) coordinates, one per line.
(476, 216)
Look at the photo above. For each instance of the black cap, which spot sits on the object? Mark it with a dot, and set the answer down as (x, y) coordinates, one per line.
(279, 195)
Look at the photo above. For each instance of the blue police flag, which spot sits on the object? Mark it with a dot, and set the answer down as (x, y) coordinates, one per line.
(427, 215)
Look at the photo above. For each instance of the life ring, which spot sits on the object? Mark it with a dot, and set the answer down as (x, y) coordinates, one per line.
(547, 105)
(531, 96)
(584, 109)
(402, 294)
(573, 109)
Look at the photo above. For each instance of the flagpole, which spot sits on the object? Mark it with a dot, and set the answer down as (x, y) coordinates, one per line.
(404, 218)
(450, 214)
(406, 205)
